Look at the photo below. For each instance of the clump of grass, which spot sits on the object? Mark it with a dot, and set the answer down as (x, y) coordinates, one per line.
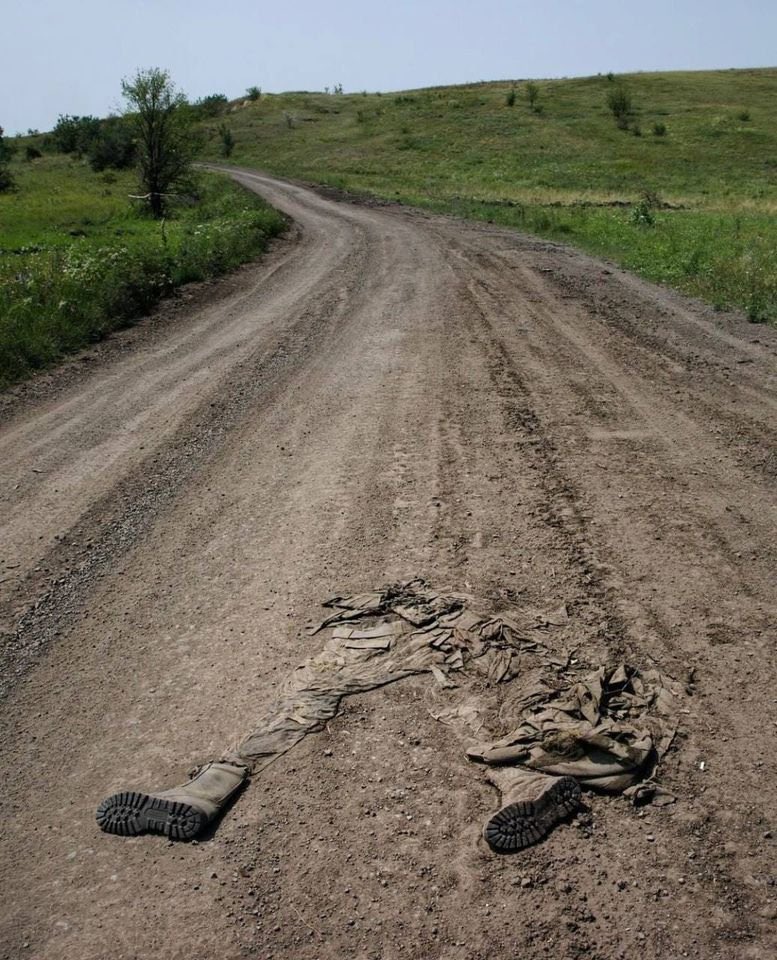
(744, 116)
(510, 98)
(659, 129)
(752, 277)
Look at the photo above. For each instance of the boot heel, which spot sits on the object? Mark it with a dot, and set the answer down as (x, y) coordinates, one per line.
(525, 822)
(174, 819)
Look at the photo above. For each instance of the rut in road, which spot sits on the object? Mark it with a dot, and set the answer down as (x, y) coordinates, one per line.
(388, 394)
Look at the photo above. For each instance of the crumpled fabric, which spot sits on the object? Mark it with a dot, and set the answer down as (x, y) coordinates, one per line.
(607, 729)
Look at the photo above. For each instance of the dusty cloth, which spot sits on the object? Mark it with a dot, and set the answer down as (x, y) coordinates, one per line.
(607, 729)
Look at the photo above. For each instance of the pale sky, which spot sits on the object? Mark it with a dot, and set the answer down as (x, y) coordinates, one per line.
(69, 57)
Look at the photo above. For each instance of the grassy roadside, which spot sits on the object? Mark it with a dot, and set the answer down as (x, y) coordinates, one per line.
(687, 195)
(76, 261)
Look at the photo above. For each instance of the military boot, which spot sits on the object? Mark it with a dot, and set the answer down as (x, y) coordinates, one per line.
(533, 803)
(180, 813)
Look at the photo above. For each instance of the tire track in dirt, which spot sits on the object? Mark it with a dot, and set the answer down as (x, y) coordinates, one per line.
(611, 587)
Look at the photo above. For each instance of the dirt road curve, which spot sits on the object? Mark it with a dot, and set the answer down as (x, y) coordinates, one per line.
(387, 395)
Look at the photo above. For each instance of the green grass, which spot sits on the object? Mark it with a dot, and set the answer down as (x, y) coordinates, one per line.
(57, 198)
(567, 172)
(77, 260)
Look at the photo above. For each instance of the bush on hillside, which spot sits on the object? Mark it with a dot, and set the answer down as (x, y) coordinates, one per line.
(620, 105)
(114, 147)
(227, 140)
(254, 93)
(75, 134)
(6, 152)
(211, 106)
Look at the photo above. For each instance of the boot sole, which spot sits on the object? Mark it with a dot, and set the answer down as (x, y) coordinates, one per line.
(525, 822)
(130, 813)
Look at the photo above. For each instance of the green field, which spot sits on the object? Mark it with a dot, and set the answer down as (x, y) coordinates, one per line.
(692, 207)
(78, 259)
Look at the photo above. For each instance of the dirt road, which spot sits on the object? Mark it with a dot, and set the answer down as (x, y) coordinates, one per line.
(387, 395)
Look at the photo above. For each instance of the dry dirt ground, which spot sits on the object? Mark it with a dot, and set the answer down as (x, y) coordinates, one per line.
(386, 395)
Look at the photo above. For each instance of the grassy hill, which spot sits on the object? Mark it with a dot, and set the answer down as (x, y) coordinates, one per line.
(683, 192)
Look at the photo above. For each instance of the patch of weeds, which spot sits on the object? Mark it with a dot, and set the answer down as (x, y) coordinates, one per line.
(56, 300)
(642, 215)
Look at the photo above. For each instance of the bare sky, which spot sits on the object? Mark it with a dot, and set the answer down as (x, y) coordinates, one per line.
(69, 56)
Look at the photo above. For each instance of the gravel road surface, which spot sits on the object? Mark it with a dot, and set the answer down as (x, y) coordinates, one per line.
(387, 394)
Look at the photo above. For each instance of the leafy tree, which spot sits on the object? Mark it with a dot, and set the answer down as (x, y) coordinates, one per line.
(165, 142)
(254, 93)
